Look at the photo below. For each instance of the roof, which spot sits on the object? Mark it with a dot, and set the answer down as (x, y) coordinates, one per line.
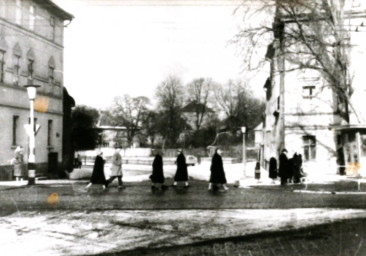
(111, 128)
(51, 6)
(259, 127)
(350, 127)
(194, 106)
(105, 123)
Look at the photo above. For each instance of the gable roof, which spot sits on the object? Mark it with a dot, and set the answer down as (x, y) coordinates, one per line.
(193, 106)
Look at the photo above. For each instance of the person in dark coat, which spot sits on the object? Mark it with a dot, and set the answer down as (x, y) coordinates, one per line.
(341, 161)
(273, 169)
(284, 167)
(181, 174)
(157, 176)
(297, 162)
(257, 171)
(98, 176)
(217, 177)
(292, 165)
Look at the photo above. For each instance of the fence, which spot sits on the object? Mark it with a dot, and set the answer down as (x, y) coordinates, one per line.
(131, 155)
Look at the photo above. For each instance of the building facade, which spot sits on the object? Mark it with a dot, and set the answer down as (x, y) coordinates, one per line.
(31, 52)
(303, 113)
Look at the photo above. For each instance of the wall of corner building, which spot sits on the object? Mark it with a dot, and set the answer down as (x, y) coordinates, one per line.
(302, 116)
(313, 117)
(14, 99)
(357, 66)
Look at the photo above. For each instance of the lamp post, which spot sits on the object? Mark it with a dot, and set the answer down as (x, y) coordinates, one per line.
(243, 129)
(32, 92)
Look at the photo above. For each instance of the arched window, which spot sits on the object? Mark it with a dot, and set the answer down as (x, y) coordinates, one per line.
(30, 59)
(51, 72)
(17, 54)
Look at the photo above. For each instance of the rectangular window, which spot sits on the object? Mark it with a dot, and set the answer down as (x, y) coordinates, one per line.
(15, 128)
(32, 17)
(53, 27)
(278, 102)
(16, 73)
(49, 132)
(18, 12)
(2, 66)
(308, 92)
(309, 144)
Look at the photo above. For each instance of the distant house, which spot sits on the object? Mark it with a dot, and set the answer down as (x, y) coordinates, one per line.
(113, 136)
(197, 114)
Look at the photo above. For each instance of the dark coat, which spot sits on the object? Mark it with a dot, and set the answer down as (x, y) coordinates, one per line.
(157, 175)
(182, 172)
(98, 171)
(341, 161)
(217, 170)
(290, 168)
(297, 162)
(273, 168)
(283, 169)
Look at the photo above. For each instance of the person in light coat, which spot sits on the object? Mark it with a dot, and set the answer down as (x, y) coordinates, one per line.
(116, 169)
(18, 162)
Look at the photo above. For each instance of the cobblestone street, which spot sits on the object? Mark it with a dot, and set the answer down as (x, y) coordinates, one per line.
(255, 220)
(342, 239)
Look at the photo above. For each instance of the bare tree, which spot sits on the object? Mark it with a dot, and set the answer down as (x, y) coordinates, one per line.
(241, 108)
(199, 93)
(310, 35)
(129, 112)
(170, 96)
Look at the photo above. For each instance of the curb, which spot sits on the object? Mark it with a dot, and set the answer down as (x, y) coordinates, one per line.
(331, 192)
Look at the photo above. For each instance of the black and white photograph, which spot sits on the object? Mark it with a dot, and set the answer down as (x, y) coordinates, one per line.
(183, 127)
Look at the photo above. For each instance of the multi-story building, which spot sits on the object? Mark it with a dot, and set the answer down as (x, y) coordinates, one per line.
(31, 52)
(303, 114)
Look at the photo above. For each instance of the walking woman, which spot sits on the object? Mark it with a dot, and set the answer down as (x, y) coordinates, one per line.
(116, 169)
(273, 169)
(217, 177)
(98, 172)
(157, 176)
(182, 173)
(284, 167)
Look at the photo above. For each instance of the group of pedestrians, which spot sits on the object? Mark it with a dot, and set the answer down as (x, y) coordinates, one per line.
(98, 176)
(217, 177)
(290, 169)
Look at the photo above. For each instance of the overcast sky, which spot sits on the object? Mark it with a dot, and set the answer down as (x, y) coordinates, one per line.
(128, 47)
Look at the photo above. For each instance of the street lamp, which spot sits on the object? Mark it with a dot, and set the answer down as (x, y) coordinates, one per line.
(243, 129)
(32, 92)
